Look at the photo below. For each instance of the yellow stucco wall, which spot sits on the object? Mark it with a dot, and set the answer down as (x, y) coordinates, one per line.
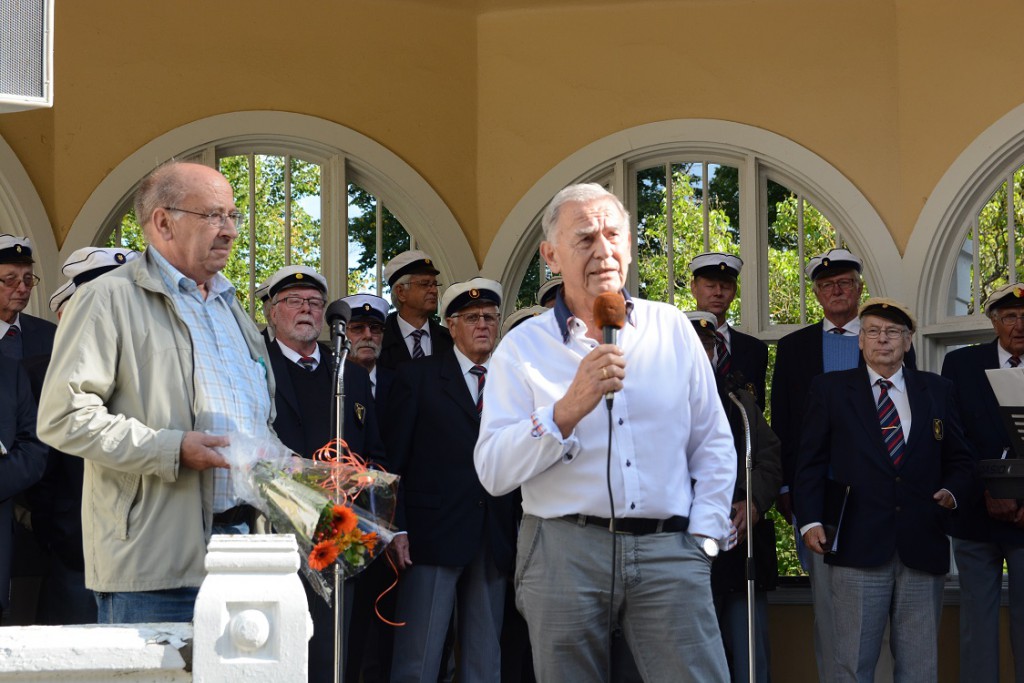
(483, 98)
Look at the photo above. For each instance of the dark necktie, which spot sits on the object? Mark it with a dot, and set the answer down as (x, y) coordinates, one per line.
(12, 331)
(308, 363)
(889, 419)
(724, 363)
(837, 330)
(1014, 361)
(479, 371)
(417, 349)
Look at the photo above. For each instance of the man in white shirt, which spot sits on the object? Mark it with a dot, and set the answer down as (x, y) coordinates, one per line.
(670, 475)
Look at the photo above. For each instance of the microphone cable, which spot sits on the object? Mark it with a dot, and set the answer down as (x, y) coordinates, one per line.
(615, 544)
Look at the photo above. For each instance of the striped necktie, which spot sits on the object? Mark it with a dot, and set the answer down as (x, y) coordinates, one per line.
(724, 363)
(308, 363)
(417, 349)
(1013, 361)
(837, 330)
(12, 331)
(889, 419)
(480, 371)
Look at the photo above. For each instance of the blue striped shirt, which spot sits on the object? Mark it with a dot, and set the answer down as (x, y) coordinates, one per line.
(231, 386)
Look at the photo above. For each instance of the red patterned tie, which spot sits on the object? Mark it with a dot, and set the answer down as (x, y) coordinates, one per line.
(12, 331)
(479, 371)
(724, 363)
(889, 419)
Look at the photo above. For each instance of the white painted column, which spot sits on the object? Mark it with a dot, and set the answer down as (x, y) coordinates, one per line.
(251, 622)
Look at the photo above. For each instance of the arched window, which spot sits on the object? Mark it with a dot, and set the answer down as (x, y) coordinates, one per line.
(700, 188)
(313, 192)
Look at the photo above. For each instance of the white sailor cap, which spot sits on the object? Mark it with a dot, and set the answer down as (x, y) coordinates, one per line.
(549, 290)
(716, 265)
(14, 249)
(521, 316)
(890, 309)
(412, 262)
(831, 262)
(1006, 296)
(479, 290)
(86, 264)
(706, 324)
(367, 307)
(295, 276)
(263, 291)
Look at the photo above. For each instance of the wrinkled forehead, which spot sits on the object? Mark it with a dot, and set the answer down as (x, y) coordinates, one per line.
(15, 268)
(583, 217)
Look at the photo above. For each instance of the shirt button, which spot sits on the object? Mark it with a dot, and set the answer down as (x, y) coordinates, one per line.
(632, 506)
(480, 503)
(898, 480)
(568, 456)
(621, 421)
(898, 508)
(628, 463)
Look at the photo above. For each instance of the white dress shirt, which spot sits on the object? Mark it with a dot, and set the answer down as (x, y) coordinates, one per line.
(672, 450)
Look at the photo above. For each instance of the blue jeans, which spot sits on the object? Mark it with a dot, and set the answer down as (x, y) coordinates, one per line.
(662, 601)
(142, 607)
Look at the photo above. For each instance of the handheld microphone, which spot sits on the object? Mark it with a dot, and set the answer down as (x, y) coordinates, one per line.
(610, 316)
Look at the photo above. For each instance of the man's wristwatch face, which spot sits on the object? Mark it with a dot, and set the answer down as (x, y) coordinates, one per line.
(710, 547)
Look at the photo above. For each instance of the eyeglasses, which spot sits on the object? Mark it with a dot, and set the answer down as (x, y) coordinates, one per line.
(1010, 319)
(12, 281)
(216, 219)
(844, 284)
(474, 318)
(360, 328)
(891, 333)
(295, 302)
(425, 284)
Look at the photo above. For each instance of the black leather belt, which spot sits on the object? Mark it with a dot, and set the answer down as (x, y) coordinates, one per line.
(637, 526)
(236, 515)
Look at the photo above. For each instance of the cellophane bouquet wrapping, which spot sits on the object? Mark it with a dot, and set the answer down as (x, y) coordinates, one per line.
(339, 509)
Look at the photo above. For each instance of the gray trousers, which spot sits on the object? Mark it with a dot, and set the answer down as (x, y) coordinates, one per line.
(980, 567)
(662, 601)
(865, 600)
(427, 597)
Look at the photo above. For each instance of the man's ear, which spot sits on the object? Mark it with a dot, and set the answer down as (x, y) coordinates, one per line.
(547, 252)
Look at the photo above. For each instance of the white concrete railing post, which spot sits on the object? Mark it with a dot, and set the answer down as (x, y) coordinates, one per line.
(251, 620)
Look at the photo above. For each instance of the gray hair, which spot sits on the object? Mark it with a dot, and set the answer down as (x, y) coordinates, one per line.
(162, 187)
(580, 193)
(400, 282)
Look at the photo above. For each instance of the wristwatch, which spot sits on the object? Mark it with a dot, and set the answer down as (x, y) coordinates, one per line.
(709, 546)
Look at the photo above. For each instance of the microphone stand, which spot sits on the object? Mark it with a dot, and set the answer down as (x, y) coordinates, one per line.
(339, 352)
(750, 542)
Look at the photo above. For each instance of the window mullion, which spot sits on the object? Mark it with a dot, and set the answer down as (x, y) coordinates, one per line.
(1011, 232)
(252, 234)
(976, 262)
(670, 246)
(379, 241)
(705, 211)
(288, 207)
(802, 257)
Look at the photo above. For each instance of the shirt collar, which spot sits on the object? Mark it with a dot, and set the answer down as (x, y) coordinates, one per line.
(6, 326)
(896, 379)
(465, 363)
(566, 319)
(406, 327)
(852, 328)
(294, 356)
(1004, 355)
(217, 286)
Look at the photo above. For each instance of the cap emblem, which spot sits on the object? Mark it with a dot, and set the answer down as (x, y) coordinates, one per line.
(119, 257)
(1018, 292)
(299, 276)
(366, 307)
(825, 262)
(474, 293)
(427, 261)
(17, 248)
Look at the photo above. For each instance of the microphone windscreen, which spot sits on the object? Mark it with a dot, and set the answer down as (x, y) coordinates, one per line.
(610, 310)
(338, 311)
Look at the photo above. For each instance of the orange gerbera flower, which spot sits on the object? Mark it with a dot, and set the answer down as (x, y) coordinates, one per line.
(370, 541)
(323, 554)
(344, 520)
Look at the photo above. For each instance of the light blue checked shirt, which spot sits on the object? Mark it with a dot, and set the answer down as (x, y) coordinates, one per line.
(231, 387)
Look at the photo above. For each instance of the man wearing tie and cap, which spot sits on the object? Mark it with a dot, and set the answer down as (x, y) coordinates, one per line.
(714, 287)
(893, 436)
(305, 412)
(21, 335)
(365, 332)
(411, 332)
(988, 531)
(460, 543)
(672, 468)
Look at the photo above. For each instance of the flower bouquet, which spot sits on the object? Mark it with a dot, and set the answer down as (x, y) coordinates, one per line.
(339, 509)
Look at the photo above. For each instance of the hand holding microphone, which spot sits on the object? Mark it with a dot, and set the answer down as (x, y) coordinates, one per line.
(610, 316)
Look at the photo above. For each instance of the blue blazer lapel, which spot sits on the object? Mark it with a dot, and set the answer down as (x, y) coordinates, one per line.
(920, 409)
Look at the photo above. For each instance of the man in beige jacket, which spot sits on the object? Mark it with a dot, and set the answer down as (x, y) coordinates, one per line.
(153, 364)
